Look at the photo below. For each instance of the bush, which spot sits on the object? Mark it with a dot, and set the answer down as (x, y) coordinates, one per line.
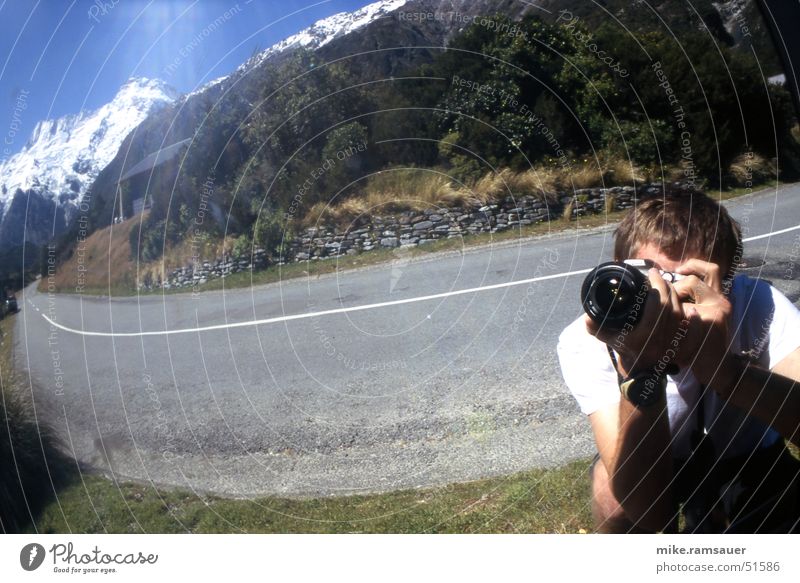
(242, 247)
(645, 142)
(750, 168)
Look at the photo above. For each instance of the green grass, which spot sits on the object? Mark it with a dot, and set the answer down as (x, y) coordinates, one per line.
(730, 193)
(539, 501)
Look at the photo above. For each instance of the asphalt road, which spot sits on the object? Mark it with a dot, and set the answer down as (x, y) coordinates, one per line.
(398, 396)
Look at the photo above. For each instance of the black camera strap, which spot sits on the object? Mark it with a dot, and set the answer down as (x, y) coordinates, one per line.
(620, 378)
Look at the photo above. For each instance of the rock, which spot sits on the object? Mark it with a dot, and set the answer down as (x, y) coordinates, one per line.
(390, 242)
(423, 226)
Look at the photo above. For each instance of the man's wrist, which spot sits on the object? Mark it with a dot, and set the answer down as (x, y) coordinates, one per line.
(730, 372)
(645, 389)
(633, 365)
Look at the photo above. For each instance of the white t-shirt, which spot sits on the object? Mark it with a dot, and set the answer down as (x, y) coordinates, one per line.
(764, 321)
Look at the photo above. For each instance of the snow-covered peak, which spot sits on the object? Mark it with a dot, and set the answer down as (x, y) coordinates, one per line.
(63, 156)
(318, 34)
(324, 31)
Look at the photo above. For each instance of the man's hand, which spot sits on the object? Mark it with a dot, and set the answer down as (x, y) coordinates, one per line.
(707, 342)
(773, 397)
(652, 336)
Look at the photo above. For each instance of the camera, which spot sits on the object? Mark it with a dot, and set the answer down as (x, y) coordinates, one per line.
(614, 293)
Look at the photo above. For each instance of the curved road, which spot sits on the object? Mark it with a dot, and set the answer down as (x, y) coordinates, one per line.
(411, 392)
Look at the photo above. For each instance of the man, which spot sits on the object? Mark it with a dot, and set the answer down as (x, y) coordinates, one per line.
(722, 354)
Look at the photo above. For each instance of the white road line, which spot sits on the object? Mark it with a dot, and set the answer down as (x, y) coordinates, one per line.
(350, 309)
(781, 232)
(322, 313)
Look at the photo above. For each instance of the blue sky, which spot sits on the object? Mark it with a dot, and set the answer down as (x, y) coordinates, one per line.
(63, 56)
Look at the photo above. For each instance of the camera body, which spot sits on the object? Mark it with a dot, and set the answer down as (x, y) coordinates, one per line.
(614, 293)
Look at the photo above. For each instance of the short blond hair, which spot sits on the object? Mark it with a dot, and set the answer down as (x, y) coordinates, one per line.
(683, 226)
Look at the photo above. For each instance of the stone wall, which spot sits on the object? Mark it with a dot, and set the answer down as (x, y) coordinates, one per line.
(412, 228)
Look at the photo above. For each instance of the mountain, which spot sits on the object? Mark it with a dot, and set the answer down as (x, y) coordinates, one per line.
(42, 186)
(326, 30)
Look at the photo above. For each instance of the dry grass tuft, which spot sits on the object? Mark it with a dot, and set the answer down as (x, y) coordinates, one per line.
(394, 190)
(607, 170)
(105, 263)
(108, 266)
(568, 209)
(750, 168)
(418, 189)
(610, 204)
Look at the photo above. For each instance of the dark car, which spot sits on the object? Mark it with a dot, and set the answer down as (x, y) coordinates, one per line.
(11, 304)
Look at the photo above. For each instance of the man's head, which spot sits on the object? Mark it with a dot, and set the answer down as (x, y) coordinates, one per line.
(682, 227)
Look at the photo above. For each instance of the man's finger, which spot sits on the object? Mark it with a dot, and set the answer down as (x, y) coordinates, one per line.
(705, 270)
(693, 337)
(691, 288)
(596, 330)
(657, 283)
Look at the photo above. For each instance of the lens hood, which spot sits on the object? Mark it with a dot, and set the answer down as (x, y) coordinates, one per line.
(613, 294)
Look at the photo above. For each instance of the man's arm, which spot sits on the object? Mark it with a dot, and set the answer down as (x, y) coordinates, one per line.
(772, 397)
(634, 447)
(633, 442)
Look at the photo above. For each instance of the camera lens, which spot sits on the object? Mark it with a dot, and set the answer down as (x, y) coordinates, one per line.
(610, 294)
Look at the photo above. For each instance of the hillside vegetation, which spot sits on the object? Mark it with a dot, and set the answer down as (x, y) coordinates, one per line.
(552, 105)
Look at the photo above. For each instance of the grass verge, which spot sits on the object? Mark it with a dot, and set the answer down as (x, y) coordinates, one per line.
(32, 466)
(539, 501)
